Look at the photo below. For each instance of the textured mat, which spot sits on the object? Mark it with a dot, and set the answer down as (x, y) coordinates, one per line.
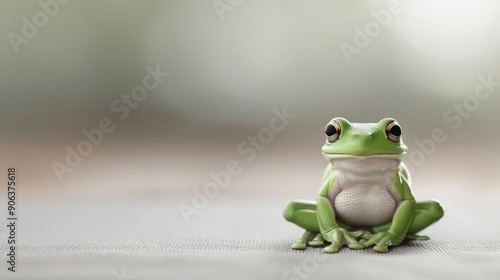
(254, 259)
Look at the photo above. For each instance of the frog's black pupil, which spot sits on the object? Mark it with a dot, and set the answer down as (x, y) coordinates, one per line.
(330, 130)
(396, 130)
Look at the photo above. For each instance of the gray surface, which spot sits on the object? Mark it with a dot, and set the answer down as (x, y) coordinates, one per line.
(237, 236)
(256, 259)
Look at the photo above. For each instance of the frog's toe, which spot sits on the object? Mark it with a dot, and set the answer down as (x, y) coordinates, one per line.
(381, 249)
(417, 237)
(317, 241)
(368, 235)
(357, 233)
(356, 245)
(299, 245)
(333, 248)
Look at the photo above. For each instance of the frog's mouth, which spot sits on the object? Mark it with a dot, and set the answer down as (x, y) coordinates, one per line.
(362, 157)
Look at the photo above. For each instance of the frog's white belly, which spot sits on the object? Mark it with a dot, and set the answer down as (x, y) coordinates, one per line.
(363, 195)
(364, 205)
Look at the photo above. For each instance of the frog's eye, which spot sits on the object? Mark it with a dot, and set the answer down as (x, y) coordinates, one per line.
(332, 131)
(393, 131)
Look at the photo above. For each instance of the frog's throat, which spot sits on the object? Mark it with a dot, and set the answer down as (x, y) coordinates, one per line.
(362, 157)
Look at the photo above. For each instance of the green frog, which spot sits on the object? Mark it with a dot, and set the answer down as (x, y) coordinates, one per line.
(366, 197)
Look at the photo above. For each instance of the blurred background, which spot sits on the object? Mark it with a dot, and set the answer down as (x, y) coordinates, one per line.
(66, 66)
(230, 64)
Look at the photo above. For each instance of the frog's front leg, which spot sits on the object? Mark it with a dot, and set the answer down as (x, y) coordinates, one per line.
(303, 214)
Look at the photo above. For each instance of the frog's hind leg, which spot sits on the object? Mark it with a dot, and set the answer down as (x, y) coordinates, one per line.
(426, 213)
(303, 214)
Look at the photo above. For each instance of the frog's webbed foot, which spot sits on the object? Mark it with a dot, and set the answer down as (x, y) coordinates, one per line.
(317, 241)
(298, 245)
(361, 235)
(357, 233)
(382, 241)
(301, 243)
(340, 237)
(305, 240)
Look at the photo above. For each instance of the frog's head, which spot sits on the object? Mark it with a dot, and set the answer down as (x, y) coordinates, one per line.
(363, 140)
